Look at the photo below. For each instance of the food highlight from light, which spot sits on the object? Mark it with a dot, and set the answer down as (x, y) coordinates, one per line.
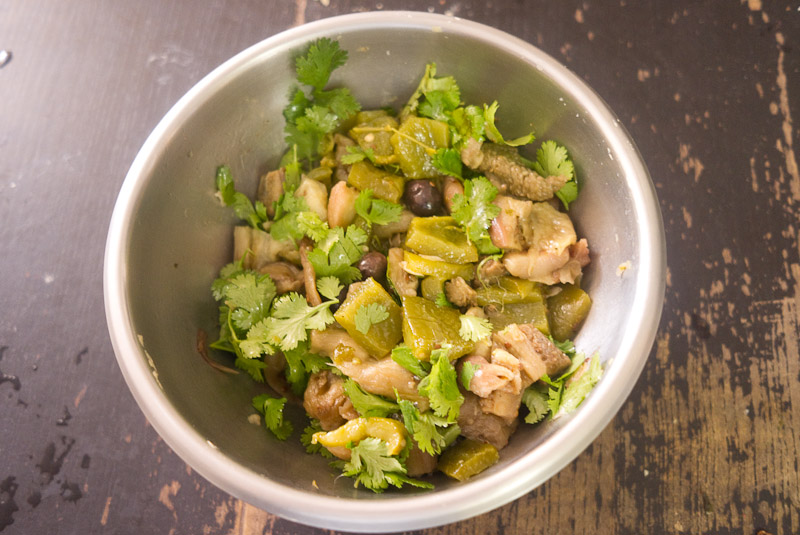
(408, 277)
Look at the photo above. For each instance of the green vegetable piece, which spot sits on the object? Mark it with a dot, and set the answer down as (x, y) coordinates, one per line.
(425, 267)
(442, 237)
(427, 326)
(530, 312)
(385, 321)
(510, 290)
(432, 287)
(467, 459)
(566, 310)
(373, 132)
(384, 185)
(416, 142)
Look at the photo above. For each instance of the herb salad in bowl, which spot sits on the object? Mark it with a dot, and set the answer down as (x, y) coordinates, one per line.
(418, 238)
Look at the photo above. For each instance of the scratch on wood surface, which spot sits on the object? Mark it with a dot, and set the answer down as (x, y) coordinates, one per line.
(249, 519)
(104, 518)
(300, 12)
(788, 149)
(690, 163)
(79, 397)
(166, 494)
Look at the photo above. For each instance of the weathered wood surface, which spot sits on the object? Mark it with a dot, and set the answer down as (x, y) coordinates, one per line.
(707, 443)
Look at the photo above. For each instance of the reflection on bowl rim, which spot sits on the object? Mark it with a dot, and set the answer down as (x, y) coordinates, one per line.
(461, 501)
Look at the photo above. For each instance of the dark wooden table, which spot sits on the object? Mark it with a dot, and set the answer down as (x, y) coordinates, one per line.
(709, 440)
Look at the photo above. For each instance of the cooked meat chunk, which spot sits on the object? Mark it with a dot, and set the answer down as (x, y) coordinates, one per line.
(260, 248)
(503, 404)
(342, 142)
(270, 189)
(286, 276)
(509, 227)
(309, 276)
(325, 400)
(450, 187)
(376, 376)
(342, 205)
(490, 271)
(578, 259)
(552, 235)
(478, 425)
(316, 196)
(460, 293)
(418, 462)
(536, 353)
(503, 166)
(488, 377)
(404, 283)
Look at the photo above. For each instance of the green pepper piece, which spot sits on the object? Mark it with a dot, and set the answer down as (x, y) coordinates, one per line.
(381, 336)
(384, 185)
(431, 287)
(426, 267)
(416, 142)
(427, 326)
(510, 290)
(566, 310)
(468, 458)
(373, 131)
(440, 236)
(535, 312)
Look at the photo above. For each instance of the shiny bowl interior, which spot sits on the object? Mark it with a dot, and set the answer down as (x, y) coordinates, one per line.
(169, 236)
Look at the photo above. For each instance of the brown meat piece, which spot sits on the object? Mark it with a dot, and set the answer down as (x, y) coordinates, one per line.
(507, 230)
(489, 272)
(419, 463)
(478, 425)
(403, 283)
(309, 276)
(460, 293)
(503, 166)
(286, 276)
(270, 189)
(326, 400)
(536, 353)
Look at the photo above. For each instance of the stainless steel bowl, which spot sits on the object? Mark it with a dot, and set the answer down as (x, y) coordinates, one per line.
(169, 236)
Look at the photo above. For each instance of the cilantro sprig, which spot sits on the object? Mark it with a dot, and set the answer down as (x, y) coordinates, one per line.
(473, 328)
(474, 211)
(429, 430)
(371, 465)
(337, 253)
(440, 386)
(292, 317)
(314, 113)
(272, 411)
(254, 214)
(553, 159)
(377, 211)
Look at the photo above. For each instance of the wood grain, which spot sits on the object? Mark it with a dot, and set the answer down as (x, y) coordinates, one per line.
(708, 441)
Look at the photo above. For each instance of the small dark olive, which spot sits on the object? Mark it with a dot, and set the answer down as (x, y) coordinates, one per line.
(423, 197)
(373, 264)
(342, 296)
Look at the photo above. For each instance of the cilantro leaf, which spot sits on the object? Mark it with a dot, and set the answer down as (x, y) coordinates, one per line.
(311, 225)
(272, 411)
(370, 315)
(535, 397)
(434, 97)
(292, 317)
(322, 58)
(474, 211)
(494, 134)
(442, 301)
(578, 389)
(311, 447)
(377, 211)
(370, 465)
(467, 122)
(249, 295)
(553, 159)
(253, 367)
(440, 386)
(336, 255)
(468, 370)
(255, 215)
(257, 343)
(448, 162)
(426, 427)
(403, 355)
(473, 328)
(300, 364)
(366, 404)
(356, 154)
(329, 287)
